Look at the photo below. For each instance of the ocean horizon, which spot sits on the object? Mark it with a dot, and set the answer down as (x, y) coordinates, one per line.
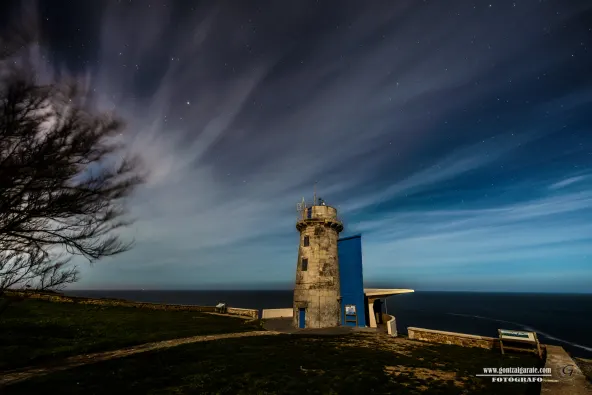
(563, 319)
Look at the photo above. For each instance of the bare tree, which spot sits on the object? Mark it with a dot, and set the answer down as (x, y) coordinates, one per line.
(34, 269)
(64, 181)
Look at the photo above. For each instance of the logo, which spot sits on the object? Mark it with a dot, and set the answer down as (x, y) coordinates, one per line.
(567, 370)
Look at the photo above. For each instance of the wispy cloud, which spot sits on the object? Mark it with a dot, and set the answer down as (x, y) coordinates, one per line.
(237, 113)
(229, 156)
(566, 182)
(456, 164)
(551, 233)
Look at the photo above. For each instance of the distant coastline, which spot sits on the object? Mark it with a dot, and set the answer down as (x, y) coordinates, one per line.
(560, 319)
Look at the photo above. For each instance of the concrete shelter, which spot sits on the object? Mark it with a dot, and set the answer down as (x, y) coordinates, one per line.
(371, 294)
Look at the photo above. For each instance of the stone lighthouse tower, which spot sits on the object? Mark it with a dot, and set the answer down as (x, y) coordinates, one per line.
(317, 302)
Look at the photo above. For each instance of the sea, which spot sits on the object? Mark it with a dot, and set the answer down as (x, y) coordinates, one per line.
(559, 319)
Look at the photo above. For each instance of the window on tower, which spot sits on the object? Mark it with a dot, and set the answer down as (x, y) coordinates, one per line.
(306, 241)
(304, 264)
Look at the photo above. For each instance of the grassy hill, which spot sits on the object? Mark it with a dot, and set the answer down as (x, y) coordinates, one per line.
(33, 331)
(38, 331)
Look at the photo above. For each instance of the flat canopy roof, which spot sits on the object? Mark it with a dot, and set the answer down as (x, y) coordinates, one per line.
(381, 293)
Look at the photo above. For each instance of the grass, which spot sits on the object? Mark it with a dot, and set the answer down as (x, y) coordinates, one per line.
(35, 331)
(291, 364)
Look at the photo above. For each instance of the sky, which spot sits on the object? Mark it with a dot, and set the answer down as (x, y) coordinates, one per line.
(455, 136)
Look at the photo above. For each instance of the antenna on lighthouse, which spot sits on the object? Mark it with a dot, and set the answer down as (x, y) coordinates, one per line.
(314, 199)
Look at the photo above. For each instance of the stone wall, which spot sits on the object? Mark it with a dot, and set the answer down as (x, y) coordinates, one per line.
(324, 212)
(459, 339)
(252, 313)
(317, 288)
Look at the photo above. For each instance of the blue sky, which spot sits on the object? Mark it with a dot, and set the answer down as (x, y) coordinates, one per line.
(455, 136)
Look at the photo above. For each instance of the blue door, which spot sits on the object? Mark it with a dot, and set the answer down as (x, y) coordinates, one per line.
(301, 317)
(309, 213)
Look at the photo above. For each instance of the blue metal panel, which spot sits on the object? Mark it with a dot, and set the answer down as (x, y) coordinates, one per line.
(301, 318)
(351, 278)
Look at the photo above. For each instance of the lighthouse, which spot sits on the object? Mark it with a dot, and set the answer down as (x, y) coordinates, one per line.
(317, 301)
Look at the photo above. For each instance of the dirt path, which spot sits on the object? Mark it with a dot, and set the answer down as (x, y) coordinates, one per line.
(15, 376)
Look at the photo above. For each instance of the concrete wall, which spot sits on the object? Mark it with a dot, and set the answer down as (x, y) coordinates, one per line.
(567, 377)
(317, 289)
(277, 313)
(391, 324)
(459, 339)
